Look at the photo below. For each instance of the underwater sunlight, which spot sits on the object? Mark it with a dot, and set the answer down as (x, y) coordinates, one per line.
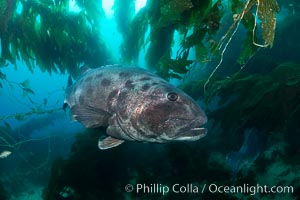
(149, 99)
(107, 6)
(139, 4)
(73, 6)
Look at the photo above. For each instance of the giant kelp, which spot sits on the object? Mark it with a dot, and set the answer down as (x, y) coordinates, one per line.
(134, 38)
(265, 101)
(162, 18)
(266, 12)
(64, 39)
(202, 20)
(46, 33)
(124, 12)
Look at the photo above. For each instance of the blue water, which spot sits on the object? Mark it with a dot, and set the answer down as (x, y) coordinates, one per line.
(47, 148)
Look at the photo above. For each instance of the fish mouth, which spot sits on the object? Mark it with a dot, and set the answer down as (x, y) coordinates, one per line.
(192, 134)
(193, 131)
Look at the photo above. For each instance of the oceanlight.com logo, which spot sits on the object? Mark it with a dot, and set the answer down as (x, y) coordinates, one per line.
(157, 188)
(250, 189)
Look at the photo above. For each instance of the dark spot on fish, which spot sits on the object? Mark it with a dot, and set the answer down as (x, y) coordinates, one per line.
(145, 87)
(105, 82)
(122, 97)
(129, 84)
(81, 100)
(124, 74)
(134, 122)
(122, 109)
(154, 84)
(145, 79)
(88, 79)
(99, 76)
(111, 97)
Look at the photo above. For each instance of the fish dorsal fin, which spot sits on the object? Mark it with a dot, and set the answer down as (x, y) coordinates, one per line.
(84, 69)
(109, 142)
(89, 116)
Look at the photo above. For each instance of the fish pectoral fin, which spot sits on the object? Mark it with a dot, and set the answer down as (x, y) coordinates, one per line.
(109, 142)
(89, 116)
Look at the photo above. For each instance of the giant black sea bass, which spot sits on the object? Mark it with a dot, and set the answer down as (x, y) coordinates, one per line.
(134, 105)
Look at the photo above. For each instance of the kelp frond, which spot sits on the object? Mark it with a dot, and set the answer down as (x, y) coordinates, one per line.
(266, 11)
(49, 35)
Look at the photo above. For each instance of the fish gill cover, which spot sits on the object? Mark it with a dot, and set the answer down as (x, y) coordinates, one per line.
(237, 56)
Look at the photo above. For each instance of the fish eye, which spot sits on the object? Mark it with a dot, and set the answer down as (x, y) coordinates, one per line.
(172, 96)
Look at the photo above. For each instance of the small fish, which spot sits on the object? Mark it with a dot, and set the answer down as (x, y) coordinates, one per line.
(134, 105)
(5, 154)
